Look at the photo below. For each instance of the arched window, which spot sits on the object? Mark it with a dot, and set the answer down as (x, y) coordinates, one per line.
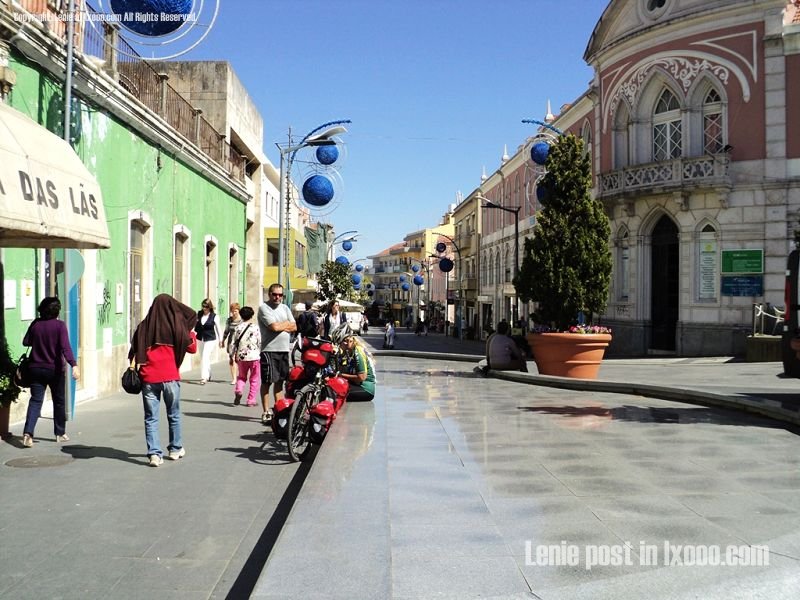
(508, 265)
(586, 136)
(622, 136)
(667, 127)
(623, 265)
(498, 266)
(712, 123)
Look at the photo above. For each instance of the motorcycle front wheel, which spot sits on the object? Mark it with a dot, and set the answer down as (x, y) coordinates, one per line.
(297, 429)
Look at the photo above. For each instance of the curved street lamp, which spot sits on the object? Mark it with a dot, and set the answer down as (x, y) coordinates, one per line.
(346, 238)
(515, 211)
(327, 131)
(441, 248)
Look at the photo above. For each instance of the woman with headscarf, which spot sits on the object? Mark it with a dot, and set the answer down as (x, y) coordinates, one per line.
(158, 346)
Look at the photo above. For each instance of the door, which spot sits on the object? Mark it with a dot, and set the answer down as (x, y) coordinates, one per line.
(665, 274)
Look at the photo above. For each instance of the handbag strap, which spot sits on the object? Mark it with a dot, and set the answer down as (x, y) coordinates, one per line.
(241, 335)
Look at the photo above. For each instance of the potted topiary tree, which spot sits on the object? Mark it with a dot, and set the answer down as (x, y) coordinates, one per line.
(566, 266)
(9, 391)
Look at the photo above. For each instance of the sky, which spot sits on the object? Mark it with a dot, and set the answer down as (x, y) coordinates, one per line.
(434, 88)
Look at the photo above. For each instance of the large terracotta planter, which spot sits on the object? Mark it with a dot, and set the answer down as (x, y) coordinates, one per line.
(575, 355)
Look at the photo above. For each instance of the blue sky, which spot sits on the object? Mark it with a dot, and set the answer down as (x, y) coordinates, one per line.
(434, 89)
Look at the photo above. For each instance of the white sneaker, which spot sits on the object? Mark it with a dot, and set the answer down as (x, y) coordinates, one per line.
(176, 454)
(156, 460)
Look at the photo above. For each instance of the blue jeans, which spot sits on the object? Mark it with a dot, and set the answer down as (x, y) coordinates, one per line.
(151, 395)
(40, 380)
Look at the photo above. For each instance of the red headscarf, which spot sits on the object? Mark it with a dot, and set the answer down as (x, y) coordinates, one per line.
(168, 323)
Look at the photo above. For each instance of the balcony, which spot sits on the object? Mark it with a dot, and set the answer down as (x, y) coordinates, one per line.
(466, 241)
(677, 175)
(470, 283)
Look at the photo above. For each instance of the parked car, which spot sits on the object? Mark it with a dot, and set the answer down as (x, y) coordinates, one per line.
(791, 324)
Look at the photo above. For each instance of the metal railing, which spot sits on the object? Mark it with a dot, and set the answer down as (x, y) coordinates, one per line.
(696, 171)
(767, 319)
(143, 82)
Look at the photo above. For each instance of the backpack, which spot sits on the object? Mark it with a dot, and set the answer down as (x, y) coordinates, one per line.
(307, 324)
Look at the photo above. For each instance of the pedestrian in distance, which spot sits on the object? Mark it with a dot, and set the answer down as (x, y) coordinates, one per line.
(388, 336)
(208, 332)
(48, 340)
(159, 346)
(276, 323)
(308, 322)
(333, 318)
(502, 353)
(247, 349)
(226, 342)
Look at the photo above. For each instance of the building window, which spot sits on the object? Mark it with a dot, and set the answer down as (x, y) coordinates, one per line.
(272, 252)
(667, 127)
(508, 266)
(180, 270)
(299, 255)
(622, 127)
(211, 270)
(712, 123)
(623, 266)
(138, 261)
(233, 274)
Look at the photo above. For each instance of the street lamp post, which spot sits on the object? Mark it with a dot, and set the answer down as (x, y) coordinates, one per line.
(441, 247)
(288, 152)
(515, 210)
(347, 236)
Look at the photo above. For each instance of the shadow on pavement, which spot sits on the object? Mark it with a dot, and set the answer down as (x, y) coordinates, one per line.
(212, 415)
(80, 451)
(684, 416)
(248, 576)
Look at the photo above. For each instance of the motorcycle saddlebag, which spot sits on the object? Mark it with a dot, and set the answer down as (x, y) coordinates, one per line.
(280, 417)
(321, 417)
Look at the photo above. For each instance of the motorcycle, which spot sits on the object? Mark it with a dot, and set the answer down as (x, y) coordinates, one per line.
(314, 395)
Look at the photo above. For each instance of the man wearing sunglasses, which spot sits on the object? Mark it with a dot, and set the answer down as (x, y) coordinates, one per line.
(276, 323)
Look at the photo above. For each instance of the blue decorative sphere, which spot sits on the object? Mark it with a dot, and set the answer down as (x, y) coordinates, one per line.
(446, 265)
(539, 152)
(347, 245)
(327, 155)
(359, 267)
(541, 192)
(370, 293)
(356, 278)
(415, 268)
(441, 247)
(402, 277)
(356, 286)
(144, 16)
(342, 260)
(318, 190)
(405, 287)
(418, 280)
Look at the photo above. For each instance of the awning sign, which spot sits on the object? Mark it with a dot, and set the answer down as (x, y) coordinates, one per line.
(48, 198)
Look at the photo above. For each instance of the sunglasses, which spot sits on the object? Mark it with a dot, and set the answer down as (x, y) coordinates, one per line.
(276, 294)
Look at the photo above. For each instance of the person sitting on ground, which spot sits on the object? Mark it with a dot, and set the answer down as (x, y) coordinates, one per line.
(355, 364)
(502, 354)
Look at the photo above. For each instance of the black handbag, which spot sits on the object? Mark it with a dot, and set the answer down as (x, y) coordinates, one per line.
(22, 376)
(131, 382)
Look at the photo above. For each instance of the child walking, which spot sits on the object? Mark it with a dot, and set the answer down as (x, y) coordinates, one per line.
(247, 348)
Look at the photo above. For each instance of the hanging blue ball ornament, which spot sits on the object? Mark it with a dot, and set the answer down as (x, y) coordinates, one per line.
(370, 286)
(418, 280)
(441, 247)
(176, 13)
(405, 287)
(541, 193)
(539, 152)
(342, 260)
(318, 190)
(327, 155)
(359, 268)
(347, 245)
(356, 286)
(446, 265)
(402, 277)
(356, 278)
(415, 268)
(370, 293)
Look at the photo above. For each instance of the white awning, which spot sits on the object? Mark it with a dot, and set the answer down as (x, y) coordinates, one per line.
(48, 198)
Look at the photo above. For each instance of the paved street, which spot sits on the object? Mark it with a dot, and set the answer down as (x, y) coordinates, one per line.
(445, 486)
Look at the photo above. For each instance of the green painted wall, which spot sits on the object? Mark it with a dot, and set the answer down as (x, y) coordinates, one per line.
(134, 175)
